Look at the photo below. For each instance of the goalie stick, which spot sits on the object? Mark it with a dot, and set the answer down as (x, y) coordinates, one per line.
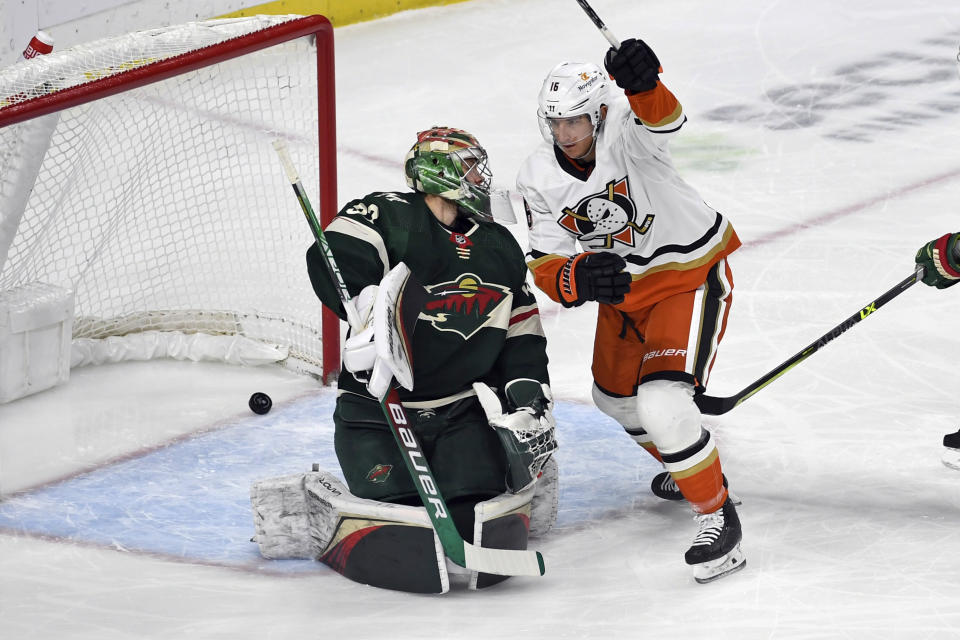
(715, 406)
(504, 562)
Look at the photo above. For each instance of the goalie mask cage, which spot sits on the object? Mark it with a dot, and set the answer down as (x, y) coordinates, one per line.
(138, 173)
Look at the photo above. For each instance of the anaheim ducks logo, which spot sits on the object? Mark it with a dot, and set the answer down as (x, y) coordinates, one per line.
(466, 305)
(606, 217)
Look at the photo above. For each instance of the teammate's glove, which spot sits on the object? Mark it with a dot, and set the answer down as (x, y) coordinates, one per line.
(940, 260)
(593, 276)
(527, 432)
(634, 66)
(359, 355)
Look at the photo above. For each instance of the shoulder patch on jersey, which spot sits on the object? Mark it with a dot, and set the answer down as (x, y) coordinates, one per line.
(601, 219)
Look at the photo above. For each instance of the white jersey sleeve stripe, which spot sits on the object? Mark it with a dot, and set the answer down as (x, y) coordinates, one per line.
(355, 229)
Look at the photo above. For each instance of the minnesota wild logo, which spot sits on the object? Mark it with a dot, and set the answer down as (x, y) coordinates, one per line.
(466, 305)
(606, 217)
(379, 473)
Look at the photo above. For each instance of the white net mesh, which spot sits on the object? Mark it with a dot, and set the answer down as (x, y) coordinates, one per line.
(165, 207)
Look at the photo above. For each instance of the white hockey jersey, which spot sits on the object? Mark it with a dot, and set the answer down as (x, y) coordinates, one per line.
(633, 203)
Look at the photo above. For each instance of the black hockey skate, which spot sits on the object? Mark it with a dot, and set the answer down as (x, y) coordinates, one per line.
(715, 551)
(952, 440)
(951, 456)
(664, 487)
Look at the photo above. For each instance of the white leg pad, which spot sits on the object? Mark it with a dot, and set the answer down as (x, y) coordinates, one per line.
(298, 516)
(502, 506)
(280, 517)
(546, 498)
(499, 506)
(314, 515)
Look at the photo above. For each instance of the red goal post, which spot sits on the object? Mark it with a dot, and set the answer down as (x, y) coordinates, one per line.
(139, 179)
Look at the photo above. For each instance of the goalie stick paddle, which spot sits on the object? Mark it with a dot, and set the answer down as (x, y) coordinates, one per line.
(715, 406)
(505, 562)
(599, 24)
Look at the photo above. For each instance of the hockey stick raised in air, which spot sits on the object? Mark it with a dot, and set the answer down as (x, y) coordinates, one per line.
(715, 406)
(505, 562)
(599, 24)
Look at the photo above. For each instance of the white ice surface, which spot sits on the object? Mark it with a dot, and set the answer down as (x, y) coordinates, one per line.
(850, 521)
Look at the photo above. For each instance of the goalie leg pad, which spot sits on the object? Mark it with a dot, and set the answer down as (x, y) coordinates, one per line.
(280, 518)
(386, 545)
(502, 522)
(391, 546)
(545, 502)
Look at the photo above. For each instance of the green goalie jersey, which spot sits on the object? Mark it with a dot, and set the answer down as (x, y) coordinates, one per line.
(480, 321)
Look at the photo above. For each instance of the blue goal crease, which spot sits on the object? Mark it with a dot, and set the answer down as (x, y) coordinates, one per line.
(191, 500)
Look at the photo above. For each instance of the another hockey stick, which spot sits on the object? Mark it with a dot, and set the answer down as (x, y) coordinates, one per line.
(716, 406)
(506, 562)
(599, 24)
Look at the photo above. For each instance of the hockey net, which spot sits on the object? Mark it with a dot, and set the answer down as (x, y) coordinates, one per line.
(138, 173)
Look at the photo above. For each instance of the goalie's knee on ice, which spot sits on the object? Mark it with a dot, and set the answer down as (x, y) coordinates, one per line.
(392, 546)
(502, 522)
(314, 515)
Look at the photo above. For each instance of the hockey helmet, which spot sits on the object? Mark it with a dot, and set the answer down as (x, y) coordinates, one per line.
(572, 89)
(451, 163)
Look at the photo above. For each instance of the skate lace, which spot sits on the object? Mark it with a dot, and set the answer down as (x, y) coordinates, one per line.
(711, 524)
(668, 483)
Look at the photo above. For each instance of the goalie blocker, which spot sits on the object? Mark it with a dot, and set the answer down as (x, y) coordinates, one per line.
(391, 546)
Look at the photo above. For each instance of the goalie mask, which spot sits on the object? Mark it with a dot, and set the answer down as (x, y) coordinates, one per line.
(450, 163)
(571, 90)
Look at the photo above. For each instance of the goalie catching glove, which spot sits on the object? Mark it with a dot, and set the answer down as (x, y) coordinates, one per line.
(940, 260)
(527, 432)
(593, 276)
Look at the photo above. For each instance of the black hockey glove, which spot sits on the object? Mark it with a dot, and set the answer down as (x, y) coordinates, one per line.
(940, 260)
(634, 66)
(593, 276)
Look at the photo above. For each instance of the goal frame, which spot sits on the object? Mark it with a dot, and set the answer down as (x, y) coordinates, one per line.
(316, 25)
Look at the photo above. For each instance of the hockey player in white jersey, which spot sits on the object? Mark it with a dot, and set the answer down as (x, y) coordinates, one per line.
(653, 254)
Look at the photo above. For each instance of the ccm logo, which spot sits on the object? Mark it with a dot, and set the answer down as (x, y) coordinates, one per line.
(416, 460)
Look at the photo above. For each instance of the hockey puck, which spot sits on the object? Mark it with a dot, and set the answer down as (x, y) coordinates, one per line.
(260, 403)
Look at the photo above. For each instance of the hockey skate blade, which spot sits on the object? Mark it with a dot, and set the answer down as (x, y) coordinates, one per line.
(951, 458)
(713, 569)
